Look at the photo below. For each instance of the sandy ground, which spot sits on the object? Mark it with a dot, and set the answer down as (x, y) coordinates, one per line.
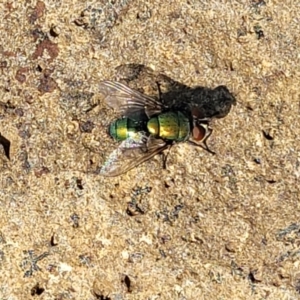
(222, 226)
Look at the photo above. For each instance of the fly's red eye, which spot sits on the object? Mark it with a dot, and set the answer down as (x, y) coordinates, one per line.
(198, 133)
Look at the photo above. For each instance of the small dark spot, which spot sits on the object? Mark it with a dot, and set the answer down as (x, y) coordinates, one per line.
(251, 277)
(257, 161)
(6, 145)
(169, 183)
(259, 32)
(126, 280)
(52, 241)
(39, 68)
(271, 181)
(267, 136)
(53, 32)
(79, 183)
(101, 297)
(37, 290)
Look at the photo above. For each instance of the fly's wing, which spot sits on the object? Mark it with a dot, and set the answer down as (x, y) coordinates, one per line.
(132, 152)
(128, 102)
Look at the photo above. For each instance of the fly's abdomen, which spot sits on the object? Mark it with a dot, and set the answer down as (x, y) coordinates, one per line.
(124, 128)
(172, 126)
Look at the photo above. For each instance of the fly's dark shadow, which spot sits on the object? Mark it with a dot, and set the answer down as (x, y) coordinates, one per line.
(205, 102)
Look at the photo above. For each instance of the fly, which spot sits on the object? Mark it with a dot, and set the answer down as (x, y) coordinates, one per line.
(147, 128)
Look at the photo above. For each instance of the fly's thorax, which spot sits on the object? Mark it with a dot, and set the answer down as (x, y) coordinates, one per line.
(121, 129)
(173, 126)
(153, 126)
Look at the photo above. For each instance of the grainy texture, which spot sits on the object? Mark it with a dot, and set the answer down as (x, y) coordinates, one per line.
(212, 227)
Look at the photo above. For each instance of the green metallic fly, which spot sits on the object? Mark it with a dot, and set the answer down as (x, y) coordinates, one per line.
(147, 127)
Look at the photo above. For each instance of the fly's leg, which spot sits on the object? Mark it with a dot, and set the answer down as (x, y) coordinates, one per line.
(203, 144)
(159, 91)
